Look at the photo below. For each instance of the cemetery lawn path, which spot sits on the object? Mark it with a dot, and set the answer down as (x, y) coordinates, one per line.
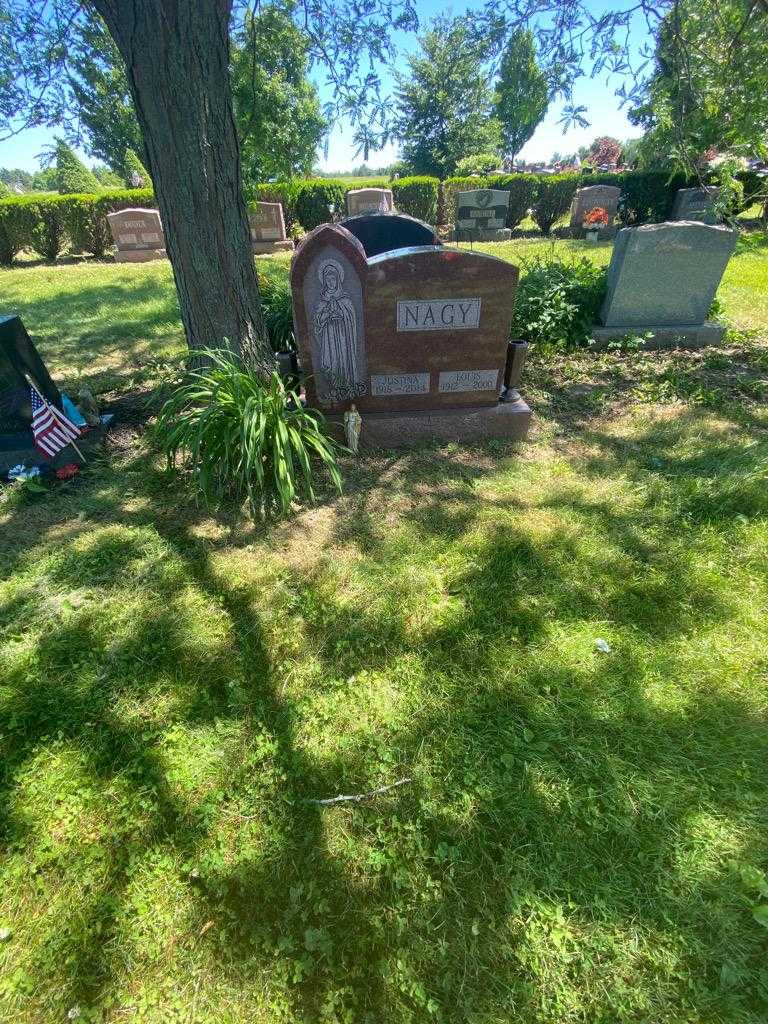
(585, 836)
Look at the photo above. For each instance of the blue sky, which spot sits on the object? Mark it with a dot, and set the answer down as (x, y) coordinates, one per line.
(597, 95)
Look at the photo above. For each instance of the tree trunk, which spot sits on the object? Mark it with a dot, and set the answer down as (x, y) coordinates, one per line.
(176, 55)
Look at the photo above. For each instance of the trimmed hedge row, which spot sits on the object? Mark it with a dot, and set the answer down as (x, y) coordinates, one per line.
(51, 225)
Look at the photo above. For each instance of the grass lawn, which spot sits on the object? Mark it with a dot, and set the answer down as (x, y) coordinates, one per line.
(585, 835)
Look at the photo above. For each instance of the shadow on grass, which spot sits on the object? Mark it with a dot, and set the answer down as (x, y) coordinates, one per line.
(553, 792)
(109, 331)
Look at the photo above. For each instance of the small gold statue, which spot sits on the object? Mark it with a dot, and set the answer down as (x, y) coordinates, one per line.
(353, 422)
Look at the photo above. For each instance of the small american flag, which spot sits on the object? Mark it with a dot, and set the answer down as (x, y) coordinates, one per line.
(51, 429)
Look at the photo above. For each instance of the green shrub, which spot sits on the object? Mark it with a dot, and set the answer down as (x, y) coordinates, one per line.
(480, 163)
(49, 234)
(558, 300)
(417, 196)
(755, 187)
(243, 440)
(277, 309)
(554, 199)
(314, 199)
(83, 219)
(449, 190)
(107, 178)
(4, 190)
(311, 198)
(19, 217)
(71, 174)
(523, 192)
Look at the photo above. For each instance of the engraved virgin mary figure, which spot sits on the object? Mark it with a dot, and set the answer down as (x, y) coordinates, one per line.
(335, 326)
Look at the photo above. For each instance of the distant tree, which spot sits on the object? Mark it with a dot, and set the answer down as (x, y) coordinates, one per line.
(480, 163)
(444, 103)
(277, 110)
(135, 175)
(105, 112)
(630, 150)
(604, 152)
(4, 190)
(709, 88)
(15, 175)
(71, 173)
(44, 180)
(522, 93)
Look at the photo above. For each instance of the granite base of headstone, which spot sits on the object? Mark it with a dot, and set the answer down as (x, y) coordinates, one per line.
(138, 235)
(481, 216)
(593, 196)
(661, 282)
(20, 366)
(695, 204)
(267, 228)
(505, 421)
(412, 332)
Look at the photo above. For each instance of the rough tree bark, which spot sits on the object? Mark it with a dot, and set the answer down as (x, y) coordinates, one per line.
(176, 55)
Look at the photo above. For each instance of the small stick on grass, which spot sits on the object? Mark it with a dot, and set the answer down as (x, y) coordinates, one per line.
(360, 797)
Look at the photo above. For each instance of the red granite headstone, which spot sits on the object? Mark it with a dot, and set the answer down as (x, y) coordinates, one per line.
(369, 200)
(138, 235)
(267, 228)
(423, 327)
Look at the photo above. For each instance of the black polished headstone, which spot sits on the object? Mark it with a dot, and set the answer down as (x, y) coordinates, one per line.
(19, 364)
(383, 232)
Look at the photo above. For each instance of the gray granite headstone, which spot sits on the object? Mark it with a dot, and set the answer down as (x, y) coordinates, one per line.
(481, 215)
(695, 204)
(333, 300)
(665, 276)
(138, 235)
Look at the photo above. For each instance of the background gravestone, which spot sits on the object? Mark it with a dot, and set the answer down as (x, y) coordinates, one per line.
(586, 199)
(695, 204)
(662, 280)
(481, 216)
(138, 235)
(267, 227)
(369, 200)
(415, 336)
